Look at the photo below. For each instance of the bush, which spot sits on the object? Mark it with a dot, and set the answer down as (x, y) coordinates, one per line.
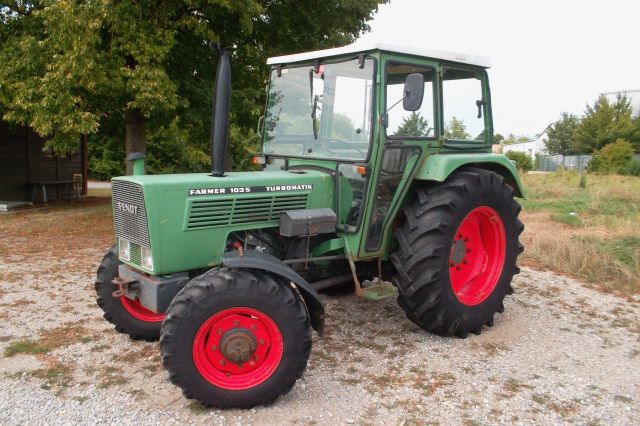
(616, 157)
(523, 161)
(633, 169)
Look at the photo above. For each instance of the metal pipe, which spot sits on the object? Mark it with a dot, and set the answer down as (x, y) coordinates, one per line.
(220, 113)
(314, 259)
(330, 282)
(137, 158)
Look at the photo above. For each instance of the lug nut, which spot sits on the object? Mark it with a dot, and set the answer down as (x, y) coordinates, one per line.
(236, 323)
(214, 347)
(221, 362)
(253, 326)
(261, 341)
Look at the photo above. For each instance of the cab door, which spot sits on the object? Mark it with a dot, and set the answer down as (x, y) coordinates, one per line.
(406, 135)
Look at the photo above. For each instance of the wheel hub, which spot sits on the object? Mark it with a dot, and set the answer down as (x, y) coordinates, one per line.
(237, 348)
(238, 345)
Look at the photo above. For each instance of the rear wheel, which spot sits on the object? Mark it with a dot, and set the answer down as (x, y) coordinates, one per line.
(128, 316)
(457, 253)
(236, 338)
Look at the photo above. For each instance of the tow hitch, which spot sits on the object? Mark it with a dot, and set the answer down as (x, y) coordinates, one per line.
(126, 287)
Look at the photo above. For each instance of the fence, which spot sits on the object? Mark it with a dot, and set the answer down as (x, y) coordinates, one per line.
(551, 163)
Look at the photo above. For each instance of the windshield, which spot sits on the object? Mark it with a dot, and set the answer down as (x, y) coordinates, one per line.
(322, 112)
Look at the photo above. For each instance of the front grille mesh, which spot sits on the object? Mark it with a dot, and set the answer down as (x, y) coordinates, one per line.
(214, 213)
(131, 226)
(135, 253)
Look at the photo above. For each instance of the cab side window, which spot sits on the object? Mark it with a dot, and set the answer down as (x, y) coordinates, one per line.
(414, 124)
(463, 104)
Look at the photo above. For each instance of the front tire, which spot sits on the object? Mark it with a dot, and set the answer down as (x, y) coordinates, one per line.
(128, 316)
(457, 253)
(236, 338)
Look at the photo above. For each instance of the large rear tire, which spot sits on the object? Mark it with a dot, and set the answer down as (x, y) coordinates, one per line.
(128, 316)
(457, 252)
(236, 338)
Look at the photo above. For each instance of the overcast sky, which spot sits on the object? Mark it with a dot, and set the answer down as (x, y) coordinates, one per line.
(548, 56)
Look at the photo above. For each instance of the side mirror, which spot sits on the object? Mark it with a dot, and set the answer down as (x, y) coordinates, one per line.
(413, 92)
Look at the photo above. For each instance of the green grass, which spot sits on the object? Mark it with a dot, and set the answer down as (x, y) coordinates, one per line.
(592, 233)
(25, 347)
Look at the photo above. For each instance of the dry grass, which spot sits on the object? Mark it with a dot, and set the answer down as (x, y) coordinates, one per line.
(591, 233)
(60, 227)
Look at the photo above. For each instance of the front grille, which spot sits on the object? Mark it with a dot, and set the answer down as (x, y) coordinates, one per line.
(129, 213)
(214, 213)
(135, 254)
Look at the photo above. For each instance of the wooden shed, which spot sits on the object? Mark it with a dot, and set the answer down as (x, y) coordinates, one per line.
(24, 166)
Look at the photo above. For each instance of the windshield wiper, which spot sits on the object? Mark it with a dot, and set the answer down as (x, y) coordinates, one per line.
(314, 108)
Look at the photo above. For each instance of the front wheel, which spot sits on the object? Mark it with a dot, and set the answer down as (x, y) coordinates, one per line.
(128, 316)
(236, 338)
(457, 252)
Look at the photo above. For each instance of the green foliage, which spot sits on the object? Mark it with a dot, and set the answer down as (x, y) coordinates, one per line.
(633, 169)
(498, 138)
(615, 157)
(456, 129)
(342, 128)
(583, 181)
(523, 161)
(560, 135)
(511, 139)
(414, 125)
(72, 68)
(604, 123)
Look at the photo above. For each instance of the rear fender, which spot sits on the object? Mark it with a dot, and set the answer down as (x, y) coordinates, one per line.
(252, 259)
(438, 167)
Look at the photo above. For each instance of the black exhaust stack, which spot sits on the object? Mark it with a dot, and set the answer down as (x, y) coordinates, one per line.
(220, 113)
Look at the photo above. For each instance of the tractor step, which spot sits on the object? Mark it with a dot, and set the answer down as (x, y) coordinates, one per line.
(379, 290)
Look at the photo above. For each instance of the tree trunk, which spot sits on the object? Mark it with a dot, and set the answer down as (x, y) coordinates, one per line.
(134, 135)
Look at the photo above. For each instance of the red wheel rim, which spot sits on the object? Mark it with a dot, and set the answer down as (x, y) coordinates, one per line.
(477, 255)
(135, 308)
(262, 341)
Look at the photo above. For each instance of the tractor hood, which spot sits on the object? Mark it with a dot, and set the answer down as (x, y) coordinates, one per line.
(185, 219)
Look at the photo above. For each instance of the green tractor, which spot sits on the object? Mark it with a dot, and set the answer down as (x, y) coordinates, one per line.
(376, 163)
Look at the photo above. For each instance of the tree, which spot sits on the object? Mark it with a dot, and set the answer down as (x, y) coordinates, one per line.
(560, 135)
(604, 123)
(511, 139)
(142, 68)
(498, 138)
(456, 129)
(413, 125)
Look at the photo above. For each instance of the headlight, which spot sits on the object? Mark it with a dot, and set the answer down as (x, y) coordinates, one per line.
(124, 249)
(147, 260)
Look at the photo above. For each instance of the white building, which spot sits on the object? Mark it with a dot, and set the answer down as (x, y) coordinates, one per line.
(530, 147)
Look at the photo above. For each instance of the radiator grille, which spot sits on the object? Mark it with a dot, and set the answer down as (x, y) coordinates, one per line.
(129, 213)
(214, 213)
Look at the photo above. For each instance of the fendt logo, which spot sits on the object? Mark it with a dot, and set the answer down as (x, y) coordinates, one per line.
(126, 208)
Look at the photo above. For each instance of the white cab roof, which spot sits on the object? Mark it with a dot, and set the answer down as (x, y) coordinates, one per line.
(365, 47)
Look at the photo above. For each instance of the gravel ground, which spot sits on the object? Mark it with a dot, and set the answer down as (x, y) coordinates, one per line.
(560, 353)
